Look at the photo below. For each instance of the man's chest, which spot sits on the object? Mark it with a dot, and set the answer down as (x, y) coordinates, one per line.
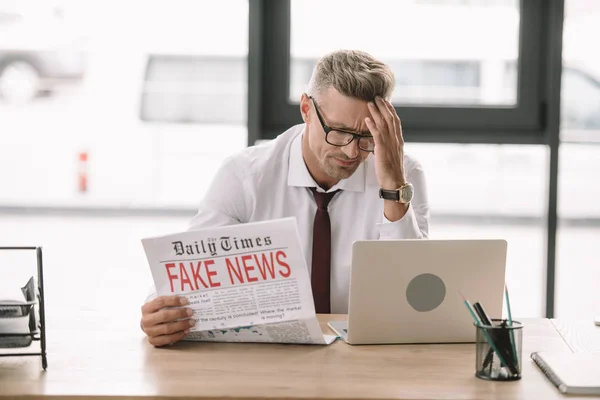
(353, 215)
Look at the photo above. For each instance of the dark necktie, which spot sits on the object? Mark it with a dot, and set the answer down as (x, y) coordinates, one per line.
(321, 254)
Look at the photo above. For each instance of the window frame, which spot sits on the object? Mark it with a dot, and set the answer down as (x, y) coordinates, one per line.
(523, 123)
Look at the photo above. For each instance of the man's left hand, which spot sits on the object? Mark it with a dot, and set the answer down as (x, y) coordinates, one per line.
(385, 127)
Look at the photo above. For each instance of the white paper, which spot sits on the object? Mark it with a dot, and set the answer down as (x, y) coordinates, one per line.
(245, 283)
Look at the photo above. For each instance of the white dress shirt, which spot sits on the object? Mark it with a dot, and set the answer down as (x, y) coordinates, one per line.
(272, 181)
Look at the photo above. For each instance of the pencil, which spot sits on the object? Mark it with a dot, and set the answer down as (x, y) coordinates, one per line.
(470, 308)
(508, 305)
(510, 322)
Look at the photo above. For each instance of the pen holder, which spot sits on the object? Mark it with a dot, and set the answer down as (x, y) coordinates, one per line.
(499, 350)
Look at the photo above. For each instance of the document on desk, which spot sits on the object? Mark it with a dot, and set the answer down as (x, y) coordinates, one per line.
(245, 283)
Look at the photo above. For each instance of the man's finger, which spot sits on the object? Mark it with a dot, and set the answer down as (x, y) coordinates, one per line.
(392, 110)
(165, 340)
(374, 131)
(169, 328)
(377, 118)
(163, 301)
(386, 113)
(163, 316)
(397, 122)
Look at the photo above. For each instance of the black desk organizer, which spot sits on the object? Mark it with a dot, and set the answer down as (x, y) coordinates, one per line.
(27, 308)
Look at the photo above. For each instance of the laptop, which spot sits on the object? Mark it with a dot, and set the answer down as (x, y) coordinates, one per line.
(409, 291)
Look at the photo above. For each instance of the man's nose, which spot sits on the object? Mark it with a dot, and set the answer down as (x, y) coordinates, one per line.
(351, 150)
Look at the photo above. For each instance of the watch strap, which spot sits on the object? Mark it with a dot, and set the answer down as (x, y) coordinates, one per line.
(393, 195)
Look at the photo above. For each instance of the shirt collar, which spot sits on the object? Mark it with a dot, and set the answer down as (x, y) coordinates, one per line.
(299, 176)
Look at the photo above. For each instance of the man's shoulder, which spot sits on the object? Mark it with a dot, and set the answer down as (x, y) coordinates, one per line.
(266, 155)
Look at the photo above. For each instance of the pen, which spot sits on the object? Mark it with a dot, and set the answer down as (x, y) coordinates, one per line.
(485, 320)
(485, 333)
(483, 317)
(501, 337)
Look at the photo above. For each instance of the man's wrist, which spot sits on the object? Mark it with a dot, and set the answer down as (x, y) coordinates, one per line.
(403, 194)
(394, 184)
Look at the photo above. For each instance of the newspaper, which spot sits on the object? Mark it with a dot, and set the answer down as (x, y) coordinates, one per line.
(244, 283)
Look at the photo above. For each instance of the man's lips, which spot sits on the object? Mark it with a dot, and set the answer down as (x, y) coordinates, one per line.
(346, 163)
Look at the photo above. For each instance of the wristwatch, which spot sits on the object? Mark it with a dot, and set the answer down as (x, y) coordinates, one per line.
(403, 194)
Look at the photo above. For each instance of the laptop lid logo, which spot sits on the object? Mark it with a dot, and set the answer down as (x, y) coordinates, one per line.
(426, 292)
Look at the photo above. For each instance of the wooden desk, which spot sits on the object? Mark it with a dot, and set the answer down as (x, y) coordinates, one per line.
(121, 365)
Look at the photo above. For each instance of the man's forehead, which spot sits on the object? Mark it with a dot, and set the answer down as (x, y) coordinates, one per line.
(344, 114)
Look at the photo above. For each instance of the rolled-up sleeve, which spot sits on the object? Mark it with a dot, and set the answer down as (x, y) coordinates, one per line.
(415, 223)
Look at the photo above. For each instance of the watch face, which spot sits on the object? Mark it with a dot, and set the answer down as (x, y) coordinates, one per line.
(406, 194)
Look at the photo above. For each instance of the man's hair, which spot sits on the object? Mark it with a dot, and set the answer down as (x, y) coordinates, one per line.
(354, 74)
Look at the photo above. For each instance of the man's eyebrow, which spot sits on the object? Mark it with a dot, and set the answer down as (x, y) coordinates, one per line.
(342, 127)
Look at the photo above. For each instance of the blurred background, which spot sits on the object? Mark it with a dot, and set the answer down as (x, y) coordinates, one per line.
(114, 116)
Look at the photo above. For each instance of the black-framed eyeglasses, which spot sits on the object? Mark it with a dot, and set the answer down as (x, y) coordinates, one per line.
(341, 138)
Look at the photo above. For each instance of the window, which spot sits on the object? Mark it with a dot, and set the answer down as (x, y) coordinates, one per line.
(417, 82)
(580, 102)
(7, 18)
(193, 89)
(482, 191)
(577, 273)
(452, 62)
(157, 106)
(471, 3)
(443, 63)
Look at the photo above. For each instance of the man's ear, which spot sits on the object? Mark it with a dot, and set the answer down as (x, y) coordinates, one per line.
(305, 107)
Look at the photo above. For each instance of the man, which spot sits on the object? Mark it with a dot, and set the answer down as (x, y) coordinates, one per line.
(349, 147)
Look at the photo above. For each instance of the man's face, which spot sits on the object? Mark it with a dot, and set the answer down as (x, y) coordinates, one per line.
(337, 111)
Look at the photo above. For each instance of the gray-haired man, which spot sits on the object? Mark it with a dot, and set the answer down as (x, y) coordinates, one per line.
(343, 174)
